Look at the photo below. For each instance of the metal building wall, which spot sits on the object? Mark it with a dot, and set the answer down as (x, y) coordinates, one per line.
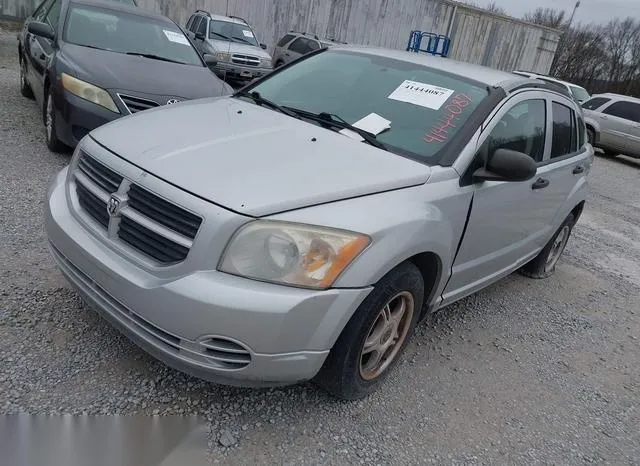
(477, 36)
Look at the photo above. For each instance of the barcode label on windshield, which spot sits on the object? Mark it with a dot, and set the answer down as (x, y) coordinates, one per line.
(424, 95)
(176, 37)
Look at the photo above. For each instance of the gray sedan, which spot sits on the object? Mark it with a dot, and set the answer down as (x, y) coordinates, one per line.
(303, 227)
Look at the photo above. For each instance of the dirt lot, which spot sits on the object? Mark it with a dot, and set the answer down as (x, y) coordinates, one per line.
(525, 372)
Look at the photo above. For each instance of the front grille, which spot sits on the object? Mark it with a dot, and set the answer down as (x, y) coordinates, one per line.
(245, 60)
(163, 212)
(151, 225)
(104, 177)
(93, 205)
(150, 243)
(137, 104)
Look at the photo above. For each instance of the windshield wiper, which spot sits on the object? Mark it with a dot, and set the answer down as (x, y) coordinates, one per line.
(222, 35)
(259, 100)
(242, 39)
(154, 57)
(335, 121)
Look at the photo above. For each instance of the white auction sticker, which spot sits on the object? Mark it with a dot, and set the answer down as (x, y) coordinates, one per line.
(425, 95)
(176, 37)
(247, 33)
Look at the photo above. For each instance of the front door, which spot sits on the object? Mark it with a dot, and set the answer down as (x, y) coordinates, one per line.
(508, 220)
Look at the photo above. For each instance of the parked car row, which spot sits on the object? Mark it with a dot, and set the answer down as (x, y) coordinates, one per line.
(300, 228)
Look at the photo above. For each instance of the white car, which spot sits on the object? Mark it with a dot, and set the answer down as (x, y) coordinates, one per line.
(579, 93)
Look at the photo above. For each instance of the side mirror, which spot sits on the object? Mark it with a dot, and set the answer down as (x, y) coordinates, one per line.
(263, 46)
(507, 165)
(210, 60)
(199, 36)
(41, 29)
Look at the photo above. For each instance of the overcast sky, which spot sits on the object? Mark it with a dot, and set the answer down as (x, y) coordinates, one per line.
(598, 11)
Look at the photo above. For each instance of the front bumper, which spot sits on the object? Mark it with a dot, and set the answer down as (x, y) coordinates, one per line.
(76, 117)
(241, 72)
(286, 332)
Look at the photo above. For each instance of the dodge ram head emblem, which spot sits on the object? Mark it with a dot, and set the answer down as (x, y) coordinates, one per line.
(113, 206)
(172, 101)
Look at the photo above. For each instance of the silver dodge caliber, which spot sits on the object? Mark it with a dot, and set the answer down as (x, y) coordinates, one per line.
(301, 228)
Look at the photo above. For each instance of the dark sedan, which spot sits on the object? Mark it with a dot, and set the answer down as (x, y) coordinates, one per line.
(89, 62)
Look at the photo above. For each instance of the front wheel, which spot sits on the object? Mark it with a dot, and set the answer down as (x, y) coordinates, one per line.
(25, 88)
(377, 333)
(53, 143)
(544, 264)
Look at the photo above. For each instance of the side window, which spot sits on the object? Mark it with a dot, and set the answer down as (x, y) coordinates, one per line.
(285, 40)
(595, 102)
(627, 110)
(194, 24)
(189, 23)
(313, 45)
(564, 131)
(581, 132)
(522, 129)
(299, 45)
(202, 27)
(53, 17)
(41, 12)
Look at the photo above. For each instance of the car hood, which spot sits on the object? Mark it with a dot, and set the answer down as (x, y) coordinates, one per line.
(118, 71)
(236, 47)
(253, 160)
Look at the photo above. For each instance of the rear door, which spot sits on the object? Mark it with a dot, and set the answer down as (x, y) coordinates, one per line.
(628, 113)
(508, 221)
(296, 49)
(614, 128)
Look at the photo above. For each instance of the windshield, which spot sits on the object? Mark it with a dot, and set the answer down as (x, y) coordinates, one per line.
(425, 107)
(579, 93)
(235, 32)
(124, 32)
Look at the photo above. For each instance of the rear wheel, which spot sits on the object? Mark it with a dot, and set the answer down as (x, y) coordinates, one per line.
(544, 264)
(53, 143)
(371, 343)
(591, 136)
(25, 88)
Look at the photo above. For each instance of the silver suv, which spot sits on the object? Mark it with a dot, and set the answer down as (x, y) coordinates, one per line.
(233, 42)
(579, 93)
(613, 123)
(301, 228)
(296, 44)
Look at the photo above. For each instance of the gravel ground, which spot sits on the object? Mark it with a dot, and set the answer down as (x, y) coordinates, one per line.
(527, 371)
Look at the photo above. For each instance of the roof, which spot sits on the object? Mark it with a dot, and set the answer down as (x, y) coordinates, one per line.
(228, 19)
(481, 74)
(617, 96)
(119, 6)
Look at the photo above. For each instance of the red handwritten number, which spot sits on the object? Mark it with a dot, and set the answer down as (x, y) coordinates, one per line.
(440, 131)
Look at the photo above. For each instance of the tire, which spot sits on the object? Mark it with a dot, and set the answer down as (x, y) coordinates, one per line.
(609, 153)
(591, 136)
(53, 143)
(25, 88)
(544, 264)
(352, 371)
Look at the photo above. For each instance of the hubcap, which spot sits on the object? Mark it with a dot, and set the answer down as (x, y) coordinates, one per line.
(558, 246)
(49, 117)
(386, 336)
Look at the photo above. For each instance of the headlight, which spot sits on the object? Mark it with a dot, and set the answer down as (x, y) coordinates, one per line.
(223, 56)
(89, 92)
(265, 62)
(292, 254)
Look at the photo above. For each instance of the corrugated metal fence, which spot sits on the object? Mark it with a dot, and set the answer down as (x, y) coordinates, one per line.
(19, 9)
(477, 36)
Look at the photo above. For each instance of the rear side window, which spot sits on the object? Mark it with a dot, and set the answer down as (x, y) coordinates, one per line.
(285, 40)
(627, 110)
(313, 45)
(190, 22)
(522, 129)
(299, 45)
(581, 132)
(564, 139)
(194, 24)
(595, 102)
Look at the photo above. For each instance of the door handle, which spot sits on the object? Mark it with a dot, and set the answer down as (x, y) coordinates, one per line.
(540, 183)
(578, 169)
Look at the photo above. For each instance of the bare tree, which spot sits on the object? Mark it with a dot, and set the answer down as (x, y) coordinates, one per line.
(547, 17)
(619, 39)
(495, 8)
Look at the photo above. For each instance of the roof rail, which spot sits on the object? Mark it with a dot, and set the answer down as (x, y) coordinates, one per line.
(307, 34)
(239, 18)
(205, 12)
